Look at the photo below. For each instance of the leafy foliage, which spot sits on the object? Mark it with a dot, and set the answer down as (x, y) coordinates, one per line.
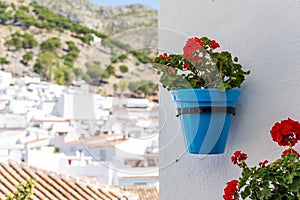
(24, 191)
(73, 53)
(143, 87)
(96, 74)
(3, 60)
(50, 44)
(4, 14)
(27, 57)
(123, 68)
(277, 180)
(200, 67)
(19, 41)
(62, 74)
(114, 43)
(45, 64)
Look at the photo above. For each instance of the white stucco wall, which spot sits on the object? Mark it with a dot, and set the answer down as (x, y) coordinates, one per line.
(265, 35)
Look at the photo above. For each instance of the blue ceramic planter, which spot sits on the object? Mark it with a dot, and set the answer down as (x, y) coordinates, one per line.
(205, 118)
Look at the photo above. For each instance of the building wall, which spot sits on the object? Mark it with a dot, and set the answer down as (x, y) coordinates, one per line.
(265, 35)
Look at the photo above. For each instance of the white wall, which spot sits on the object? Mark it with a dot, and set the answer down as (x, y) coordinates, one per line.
(265, 35)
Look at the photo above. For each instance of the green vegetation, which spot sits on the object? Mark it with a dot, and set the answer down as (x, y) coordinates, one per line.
(19, 41)
(4, 16)
(3, 60)
(62, 74)
(143, 87)
(72, 55)
(28, 56)
(23, 192)
(123, 85)
(51, 44)
(123, 68)
(49, 64)
(110, 70)
(45, 64)
(96, 74)
(52, 64)
(115, 87)
(114, 43)
(28, 41)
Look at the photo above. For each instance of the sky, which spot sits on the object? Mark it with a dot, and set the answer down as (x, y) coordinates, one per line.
(152, 3)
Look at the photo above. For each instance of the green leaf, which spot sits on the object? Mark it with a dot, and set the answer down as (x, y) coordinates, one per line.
(245, 193)
(296, 184)
(264, 194)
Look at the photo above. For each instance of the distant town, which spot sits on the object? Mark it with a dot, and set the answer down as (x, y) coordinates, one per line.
(69, 130)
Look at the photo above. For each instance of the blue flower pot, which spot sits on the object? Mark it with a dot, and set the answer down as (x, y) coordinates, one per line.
(205, 116)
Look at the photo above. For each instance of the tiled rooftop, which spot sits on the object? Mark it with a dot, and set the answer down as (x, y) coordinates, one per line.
(145, 192)
(49, 185)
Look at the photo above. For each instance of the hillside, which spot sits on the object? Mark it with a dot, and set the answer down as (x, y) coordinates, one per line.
(134, 24)
(59, 49)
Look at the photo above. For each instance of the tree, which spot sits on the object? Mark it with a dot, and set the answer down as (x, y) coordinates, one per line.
(28, 41)
(45, 64)
(15, 41)
(123, 69)
(3, 61)
(115, 87)
(51, 44)
(5, 16)
(93, 70)
(27, 57)
(95, 73)
(143, 87)
(110, 70)
(62, 74)
(123, 86)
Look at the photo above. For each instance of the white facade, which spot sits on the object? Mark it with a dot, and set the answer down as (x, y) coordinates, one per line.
(5, 79)
(83, 106)
(265, 37)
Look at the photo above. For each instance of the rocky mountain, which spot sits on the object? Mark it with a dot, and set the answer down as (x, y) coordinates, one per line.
(71, 40)
(133, 24)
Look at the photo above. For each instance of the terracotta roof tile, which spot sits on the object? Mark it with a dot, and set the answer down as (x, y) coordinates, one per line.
(51, 186)
(145, 192)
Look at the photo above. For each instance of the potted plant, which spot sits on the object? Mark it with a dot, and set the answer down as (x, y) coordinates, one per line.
(277, 180)
(205, 87)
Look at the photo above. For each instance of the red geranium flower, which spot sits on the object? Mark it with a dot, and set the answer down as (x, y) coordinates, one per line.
(286, 132)
(290, 151)
(192, 45)
(262, 164)
(171, 69)
(198, 41)
(238, 156)
(186, 65)
(196, 58)
(213, 44)
(164, 56)
(231, 190)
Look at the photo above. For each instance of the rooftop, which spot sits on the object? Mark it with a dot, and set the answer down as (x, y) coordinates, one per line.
(50, 185)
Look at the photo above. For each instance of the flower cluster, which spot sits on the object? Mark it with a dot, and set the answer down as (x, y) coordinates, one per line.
(290, 151)
(231, 190)
(263, 163)
(200, 66)
(286, 132)
(277, 180)
(238, 156)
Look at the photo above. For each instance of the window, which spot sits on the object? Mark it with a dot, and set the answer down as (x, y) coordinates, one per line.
(102, 155)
